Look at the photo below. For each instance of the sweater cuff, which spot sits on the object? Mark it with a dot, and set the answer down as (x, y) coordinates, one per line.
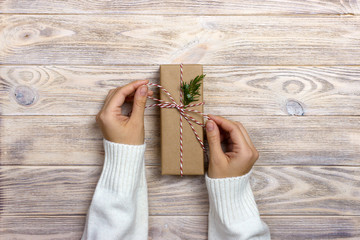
(123, 167)
(231, 198)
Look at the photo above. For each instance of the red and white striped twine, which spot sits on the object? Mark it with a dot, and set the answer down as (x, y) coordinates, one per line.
(183, 109)
(181, 126)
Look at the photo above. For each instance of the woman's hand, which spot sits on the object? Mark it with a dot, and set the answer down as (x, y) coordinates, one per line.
(240, 153)
(117, 127)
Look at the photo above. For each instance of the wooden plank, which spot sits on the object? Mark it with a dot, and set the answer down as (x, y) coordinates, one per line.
(182, 227)
(76, 140)
(301, 227)
(230, 90)
(287, 190)
(182, 7)
(41, 228)
(151, 39)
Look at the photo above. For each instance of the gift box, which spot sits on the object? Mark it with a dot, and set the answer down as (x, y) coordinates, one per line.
(192, 151)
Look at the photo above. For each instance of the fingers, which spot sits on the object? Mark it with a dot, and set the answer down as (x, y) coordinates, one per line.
(233, 130)
(119, 95)
(248, 140)
(140, 98)
(130, 98)
(213, 137)
(107, 99)
(246, 135)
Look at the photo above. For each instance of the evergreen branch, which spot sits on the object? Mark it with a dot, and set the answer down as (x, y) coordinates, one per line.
(191, 91)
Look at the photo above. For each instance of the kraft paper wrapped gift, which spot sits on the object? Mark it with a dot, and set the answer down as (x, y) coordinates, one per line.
(193, 155)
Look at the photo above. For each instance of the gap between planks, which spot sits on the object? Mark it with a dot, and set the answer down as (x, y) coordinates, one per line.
(152, 115)
(276, 7)
(154, 65)
(263, 215)
(179, 216)
(156, 165)
(188, 14)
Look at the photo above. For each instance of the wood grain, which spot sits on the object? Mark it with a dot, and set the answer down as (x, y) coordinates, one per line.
(230, 90)
(58, 140)
(288, 190)
(76, 140)
(264, 60)
(301, 227)
(181, 227)
(156, 39)
(183, 7)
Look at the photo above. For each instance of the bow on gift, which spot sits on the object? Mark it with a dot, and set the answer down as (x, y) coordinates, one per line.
(184, 113)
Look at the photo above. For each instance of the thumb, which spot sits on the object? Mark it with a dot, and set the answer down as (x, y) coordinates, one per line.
(139, 103)
(213, 137)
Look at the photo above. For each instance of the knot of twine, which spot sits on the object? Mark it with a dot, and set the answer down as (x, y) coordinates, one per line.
(183, 110)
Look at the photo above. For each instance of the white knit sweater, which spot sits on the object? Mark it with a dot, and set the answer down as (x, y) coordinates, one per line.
(119, 208)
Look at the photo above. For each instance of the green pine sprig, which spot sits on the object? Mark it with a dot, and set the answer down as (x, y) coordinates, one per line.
(191, 91)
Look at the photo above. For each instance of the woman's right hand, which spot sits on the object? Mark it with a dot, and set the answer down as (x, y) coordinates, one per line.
(240, 154)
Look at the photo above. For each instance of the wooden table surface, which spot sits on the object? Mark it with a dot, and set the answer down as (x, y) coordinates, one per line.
(289, 70)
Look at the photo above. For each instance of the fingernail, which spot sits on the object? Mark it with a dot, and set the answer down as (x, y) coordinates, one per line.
(143, 90)
(210, 126)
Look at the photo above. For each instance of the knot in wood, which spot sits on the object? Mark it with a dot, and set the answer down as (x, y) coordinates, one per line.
(24, 95)
(294, 108)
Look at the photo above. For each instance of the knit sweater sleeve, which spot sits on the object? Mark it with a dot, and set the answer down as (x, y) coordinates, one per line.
(119, 207)
(233, 213)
